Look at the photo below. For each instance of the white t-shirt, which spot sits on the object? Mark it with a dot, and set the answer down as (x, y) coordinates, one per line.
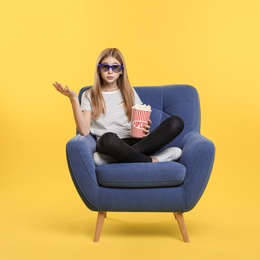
(114, 119)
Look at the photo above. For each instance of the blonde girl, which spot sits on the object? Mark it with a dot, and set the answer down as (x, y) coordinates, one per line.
(105, 112)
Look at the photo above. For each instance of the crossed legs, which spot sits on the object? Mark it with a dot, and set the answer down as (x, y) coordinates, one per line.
(139, 150)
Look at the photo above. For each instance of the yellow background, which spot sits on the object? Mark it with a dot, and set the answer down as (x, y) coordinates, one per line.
(210, 44)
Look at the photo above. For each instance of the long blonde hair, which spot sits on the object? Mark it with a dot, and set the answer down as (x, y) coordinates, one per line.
(97, 100)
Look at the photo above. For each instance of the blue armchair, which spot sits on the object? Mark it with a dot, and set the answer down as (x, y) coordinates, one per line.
(148, 187)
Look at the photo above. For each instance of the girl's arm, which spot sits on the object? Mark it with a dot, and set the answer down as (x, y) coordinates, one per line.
(82, 119)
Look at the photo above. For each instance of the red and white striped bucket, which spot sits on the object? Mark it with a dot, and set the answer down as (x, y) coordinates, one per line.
(139, 119)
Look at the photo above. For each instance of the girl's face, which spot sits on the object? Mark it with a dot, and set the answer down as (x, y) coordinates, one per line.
(110, 77)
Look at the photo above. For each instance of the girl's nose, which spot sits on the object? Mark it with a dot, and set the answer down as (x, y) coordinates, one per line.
(110, 70)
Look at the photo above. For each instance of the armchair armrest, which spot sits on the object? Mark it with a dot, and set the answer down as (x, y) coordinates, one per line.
(198, 157)
(79, 152)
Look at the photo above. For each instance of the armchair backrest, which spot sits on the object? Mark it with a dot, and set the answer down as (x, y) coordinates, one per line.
(180, 100)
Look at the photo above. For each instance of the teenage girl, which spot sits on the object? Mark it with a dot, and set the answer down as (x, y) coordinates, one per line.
(105, 112)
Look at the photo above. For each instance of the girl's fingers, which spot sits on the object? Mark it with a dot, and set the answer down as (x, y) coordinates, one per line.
(147, 127)
(60, 88)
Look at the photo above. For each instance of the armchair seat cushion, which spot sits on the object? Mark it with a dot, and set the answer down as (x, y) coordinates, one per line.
(141, 175)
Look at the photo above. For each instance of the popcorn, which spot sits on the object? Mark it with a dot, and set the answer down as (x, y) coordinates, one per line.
(139, 119)
(142, 107)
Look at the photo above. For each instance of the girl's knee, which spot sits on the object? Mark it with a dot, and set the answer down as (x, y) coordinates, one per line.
(176, 123)
(106, 141)
(180, 123)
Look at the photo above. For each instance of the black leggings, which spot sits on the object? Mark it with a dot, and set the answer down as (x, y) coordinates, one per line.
(140, 149)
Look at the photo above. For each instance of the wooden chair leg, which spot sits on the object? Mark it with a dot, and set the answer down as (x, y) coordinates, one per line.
(180, 219)
(100, 220)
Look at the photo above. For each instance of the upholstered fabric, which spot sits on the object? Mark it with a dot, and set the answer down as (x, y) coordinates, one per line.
(160, 187)
(141, 175)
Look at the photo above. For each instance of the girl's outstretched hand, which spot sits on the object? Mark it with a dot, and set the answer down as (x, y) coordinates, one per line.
(65, 90)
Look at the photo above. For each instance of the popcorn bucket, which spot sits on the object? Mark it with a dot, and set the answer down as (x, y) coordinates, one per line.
(139, 119)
